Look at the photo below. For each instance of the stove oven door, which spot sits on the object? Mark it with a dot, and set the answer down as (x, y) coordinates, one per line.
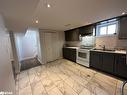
(83, 55)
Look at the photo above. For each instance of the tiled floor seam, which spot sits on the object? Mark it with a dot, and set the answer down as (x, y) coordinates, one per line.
(67, 84)
(42, 83)
(69, 72)
(82, 78)
(116, 88)
(91, 79)
(55, 84)
(30, 83)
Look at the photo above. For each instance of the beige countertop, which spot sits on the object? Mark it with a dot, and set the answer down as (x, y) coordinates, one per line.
(115, 51)
(72, 47)
(107, 51)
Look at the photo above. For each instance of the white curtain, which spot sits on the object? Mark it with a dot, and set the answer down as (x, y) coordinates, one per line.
(26, 44)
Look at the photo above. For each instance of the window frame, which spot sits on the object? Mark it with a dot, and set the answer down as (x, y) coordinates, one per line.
(106, 24)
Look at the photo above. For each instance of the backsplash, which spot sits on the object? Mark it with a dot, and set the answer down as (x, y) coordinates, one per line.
(86, 41)
(110, 42)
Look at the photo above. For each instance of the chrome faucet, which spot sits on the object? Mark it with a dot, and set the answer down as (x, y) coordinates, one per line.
(102, 46)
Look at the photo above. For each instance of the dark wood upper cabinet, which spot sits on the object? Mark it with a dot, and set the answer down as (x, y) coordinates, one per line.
(72, 35)
(86, 30)
(122, 28)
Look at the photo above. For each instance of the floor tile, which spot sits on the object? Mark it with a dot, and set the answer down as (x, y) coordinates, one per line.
(38, 89)
(66, 89)
(48, 83)
(54, 91)
(63, 77)
(25, 91)
(24, 82)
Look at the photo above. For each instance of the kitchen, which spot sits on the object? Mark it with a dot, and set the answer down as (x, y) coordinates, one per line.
(100, 46)
(63, 47)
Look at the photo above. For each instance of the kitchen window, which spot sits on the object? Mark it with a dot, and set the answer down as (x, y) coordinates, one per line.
(107, 28)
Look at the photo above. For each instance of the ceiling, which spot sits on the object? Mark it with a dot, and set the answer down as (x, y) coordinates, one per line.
(63, 14)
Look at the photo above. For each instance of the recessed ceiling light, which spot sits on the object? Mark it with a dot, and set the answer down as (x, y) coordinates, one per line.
(123, 13)
(36, 21)
(48, 5)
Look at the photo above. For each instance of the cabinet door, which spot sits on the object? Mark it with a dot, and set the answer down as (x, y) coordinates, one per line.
(96, 59)
(86, 30)
(69, 54)
(75, 35)
(68, 35)
(72, 55)
(72, 35)
(121, 66)
(123, 28)
(108, 62)
(65, 53)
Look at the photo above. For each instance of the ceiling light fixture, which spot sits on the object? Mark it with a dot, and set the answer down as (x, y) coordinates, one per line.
(123, 13)
(48, 5)
(36, 21)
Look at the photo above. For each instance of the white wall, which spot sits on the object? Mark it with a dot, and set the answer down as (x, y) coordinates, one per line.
(15, 53)
(7, 82)
(61, 43)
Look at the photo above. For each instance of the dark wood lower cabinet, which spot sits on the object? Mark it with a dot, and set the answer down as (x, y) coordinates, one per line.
(70, 54)
(112, 63)
(96, 60)
(108, 62)
(121, 66)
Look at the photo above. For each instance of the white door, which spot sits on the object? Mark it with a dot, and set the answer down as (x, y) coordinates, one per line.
(51, 43)
(48, 47)
(55, 45)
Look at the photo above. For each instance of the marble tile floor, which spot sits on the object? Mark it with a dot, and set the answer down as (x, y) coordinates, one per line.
(64, 77)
